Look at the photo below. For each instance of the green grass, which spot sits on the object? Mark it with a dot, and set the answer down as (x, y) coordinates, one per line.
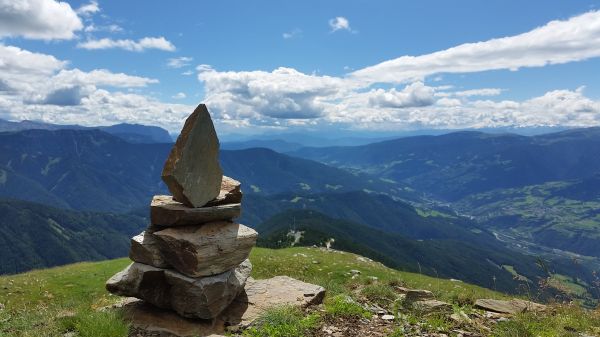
(284, 322)
(54, 301)
(345, 306)
(564, 320)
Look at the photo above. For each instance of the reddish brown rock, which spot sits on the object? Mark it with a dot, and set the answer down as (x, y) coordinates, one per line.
(192, 171)
(144, 249)
(209, 249)
(231, 193)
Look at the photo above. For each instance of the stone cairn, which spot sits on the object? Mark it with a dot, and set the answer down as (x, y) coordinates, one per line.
(192, 258)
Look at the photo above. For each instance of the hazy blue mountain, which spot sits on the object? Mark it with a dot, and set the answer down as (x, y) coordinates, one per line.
(277, 145)
(94, 170)
(455, 165)
(133, 133)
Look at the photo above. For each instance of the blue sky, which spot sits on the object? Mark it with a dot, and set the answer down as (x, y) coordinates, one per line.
(276, 66)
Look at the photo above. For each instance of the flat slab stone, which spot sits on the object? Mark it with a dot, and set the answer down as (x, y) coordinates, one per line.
(203, 298)
(430, 306)
(148, 320)
(508, 307)
(166, 212)
(262, 295)
(207, 249)
(231, 193)
(144, 249)
(412, 295)
(192, 171)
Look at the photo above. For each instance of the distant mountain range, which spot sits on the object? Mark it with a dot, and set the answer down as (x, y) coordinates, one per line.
(491, 202)
(538, 189)
(133, 133)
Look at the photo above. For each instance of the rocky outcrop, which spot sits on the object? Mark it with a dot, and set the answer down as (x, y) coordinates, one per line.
(192, 172)
(204, 297)
(206, 250)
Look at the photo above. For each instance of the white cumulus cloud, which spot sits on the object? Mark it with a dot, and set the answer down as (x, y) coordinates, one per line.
(38, 19)
(414, 95)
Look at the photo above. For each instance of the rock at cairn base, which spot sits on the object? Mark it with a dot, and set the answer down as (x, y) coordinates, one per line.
(144, 249)
(166, 212)
(203, 297)
(258, 297)
(192, 172)
(209, 249)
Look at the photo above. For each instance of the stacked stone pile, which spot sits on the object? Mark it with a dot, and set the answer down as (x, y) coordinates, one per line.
(193, 257)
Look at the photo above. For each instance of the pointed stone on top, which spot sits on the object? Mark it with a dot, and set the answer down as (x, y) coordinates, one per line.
(192, 172)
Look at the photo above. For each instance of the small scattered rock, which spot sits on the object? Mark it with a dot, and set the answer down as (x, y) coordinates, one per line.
(508, 307)
(412, 295)
(429, 306)
(388, 317)
(355, 272)
(460, 317)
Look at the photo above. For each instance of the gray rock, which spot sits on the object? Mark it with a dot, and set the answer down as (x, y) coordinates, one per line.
(231, 193)
(144, 249)
(202, 298)
(508, 307)
(430, 306)
(259, 296)
(166, 212)
(413, 295)
(262, 295)
(208, 249)
(192, 172)
(148, 320)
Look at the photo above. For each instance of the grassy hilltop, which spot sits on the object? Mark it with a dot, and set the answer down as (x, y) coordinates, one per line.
(52, 302)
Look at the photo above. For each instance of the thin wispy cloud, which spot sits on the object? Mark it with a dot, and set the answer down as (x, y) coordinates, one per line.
(575, 39)
(112, 28)
(295, 33)
(339, 23)
(179, 62)
(88, 9)
(140, 45)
